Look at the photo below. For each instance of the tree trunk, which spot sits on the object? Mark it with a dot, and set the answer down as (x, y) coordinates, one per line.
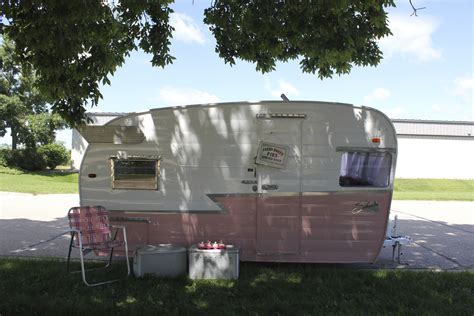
(13, 132)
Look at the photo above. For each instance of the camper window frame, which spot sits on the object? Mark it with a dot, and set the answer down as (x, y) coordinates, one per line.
(116, 185)
(387, 151)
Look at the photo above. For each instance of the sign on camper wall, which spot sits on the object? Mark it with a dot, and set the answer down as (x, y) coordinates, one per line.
(272, 155)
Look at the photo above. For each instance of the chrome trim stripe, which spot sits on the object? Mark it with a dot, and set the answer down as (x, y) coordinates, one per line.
(362, 190)
(271, 194)
(130, 219)
(365, 149)
(170, 212)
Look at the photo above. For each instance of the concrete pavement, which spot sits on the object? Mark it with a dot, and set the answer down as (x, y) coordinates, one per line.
(26, 219)
(443, 232)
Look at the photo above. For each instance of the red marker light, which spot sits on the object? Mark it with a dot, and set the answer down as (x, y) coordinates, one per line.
(376, 140)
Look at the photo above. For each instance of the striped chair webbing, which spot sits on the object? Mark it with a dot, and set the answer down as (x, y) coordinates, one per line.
(93, 223)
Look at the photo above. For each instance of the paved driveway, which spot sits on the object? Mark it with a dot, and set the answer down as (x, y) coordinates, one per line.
(443, 232)
(26, 219)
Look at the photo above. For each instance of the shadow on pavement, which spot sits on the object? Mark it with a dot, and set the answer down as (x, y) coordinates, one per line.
(17, 235)
(436, 244)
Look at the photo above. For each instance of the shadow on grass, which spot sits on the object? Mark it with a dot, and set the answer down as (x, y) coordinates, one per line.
(43, 287)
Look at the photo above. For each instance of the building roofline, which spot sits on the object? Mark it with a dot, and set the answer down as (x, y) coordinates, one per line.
(432, 121)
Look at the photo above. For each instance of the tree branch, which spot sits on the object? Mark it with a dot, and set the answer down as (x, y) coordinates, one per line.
(415, 9)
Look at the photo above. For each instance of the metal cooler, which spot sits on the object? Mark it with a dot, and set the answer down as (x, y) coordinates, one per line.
(213, 263)
(164, 260)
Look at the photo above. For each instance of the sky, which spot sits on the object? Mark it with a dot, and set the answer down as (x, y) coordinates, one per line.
(426, 73)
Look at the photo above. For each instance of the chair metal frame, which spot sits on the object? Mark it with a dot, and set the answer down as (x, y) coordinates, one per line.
(84, 249)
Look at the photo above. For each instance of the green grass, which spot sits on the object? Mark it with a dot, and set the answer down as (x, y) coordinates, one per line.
(34, 287)
(42, 182)
(434, 189)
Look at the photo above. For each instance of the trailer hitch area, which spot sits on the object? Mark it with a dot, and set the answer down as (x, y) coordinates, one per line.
(396, 241)
(365, 206)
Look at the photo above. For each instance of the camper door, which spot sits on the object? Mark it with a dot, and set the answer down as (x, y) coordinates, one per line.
(279, 186)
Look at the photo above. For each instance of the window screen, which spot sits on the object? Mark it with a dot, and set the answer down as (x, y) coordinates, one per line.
(135, 174)
(365, 169)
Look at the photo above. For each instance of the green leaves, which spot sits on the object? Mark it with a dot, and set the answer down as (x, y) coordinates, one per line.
(76, 45)
(22, 107)
(40, 129)
(327, 36)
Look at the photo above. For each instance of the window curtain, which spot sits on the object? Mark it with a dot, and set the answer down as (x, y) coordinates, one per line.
(370, 168)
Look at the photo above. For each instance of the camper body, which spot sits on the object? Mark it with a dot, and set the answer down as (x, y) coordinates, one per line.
(284, 181)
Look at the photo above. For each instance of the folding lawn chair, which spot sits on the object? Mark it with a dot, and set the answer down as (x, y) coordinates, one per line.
(91, 231)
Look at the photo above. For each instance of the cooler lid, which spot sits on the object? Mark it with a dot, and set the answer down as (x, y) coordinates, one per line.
(160, 248)
(231, 249)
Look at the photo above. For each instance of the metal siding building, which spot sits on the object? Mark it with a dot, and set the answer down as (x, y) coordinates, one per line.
(427, 148)
(433, 128)
(435, 149)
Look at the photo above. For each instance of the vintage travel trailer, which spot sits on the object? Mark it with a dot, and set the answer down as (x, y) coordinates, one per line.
(289, 181)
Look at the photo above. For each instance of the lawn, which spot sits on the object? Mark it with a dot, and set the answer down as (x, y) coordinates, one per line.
(45, 182)
(434, 189)
(43, 287)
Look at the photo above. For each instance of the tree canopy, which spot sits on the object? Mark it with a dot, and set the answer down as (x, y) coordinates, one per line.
(74, 46)
(22, 108)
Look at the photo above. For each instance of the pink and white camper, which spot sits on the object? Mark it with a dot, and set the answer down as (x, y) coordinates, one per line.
(285, 181)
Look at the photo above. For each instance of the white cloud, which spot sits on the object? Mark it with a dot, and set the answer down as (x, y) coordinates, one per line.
(184, 96)
(283, 86)
(412, 36)
(185, 29)
(464, 86)
(378, 94)
(451, 111)
(395, 112)
(437, 108)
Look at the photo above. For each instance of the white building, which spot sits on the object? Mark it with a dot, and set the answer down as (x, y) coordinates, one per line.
(435, 149)
(427, 149)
